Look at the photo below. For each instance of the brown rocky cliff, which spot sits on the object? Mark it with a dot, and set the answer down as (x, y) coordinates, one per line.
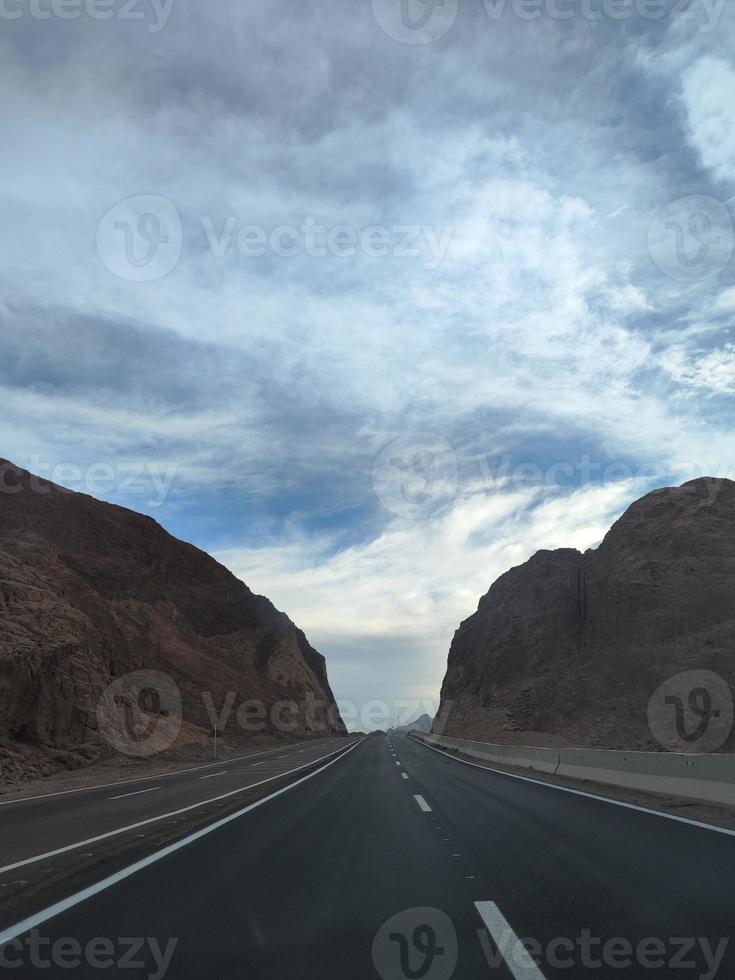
(90, 591)
(568, 649)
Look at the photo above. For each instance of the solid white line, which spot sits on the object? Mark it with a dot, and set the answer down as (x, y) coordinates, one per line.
(53, 910)
(163, 816)
(423, 805)
(404, 775)
(140, 779)
(517, 958)
(136, 793)
(578, 792)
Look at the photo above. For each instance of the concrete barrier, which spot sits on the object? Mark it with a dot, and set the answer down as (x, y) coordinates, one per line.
(699, 777)
(542, 760)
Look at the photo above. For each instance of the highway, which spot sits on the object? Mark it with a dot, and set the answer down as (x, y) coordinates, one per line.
(68, 821)
(395, 861)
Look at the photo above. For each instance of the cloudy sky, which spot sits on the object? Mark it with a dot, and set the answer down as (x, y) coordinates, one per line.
(371, 300)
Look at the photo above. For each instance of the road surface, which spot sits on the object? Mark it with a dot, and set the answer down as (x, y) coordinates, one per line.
(31, 828)
(391, 860)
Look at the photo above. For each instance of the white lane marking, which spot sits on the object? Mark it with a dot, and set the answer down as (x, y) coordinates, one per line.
(67, 903)
(517, 958)
(138, 792)
(283, 757)
(214, 775)
(590, 796)
(404, 775)
(423, 805)
(256, 764)
(398, 763)
(163, 816)
(140, 779)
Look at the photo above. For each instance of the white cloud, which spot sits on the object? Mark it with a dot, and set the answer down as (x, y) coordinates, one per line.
(709, 97)
(416, 581)
(726, 301)
(545, 332)
(713, 371)
(628, 299)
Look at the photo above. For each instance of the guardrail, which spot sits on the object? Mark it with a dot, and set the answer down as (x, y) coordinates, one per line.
(697, 777)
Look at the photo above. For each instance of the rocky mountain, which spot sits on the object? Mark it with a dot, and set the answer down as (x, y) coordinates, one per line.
(571, 648)
(90, 593)
(422, 724)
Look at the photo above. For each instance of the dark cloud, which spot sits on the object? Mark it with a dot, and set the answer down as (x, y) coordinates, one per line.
(546, 332)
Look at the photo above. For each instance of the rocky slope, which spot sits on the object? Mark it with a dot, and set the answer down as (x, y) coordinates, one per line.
(90, 592)
(422, 724)
(569, 648)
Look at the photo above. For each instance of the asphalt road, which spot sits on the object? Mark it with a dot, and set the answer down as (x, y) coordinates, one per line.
(396, 861)
(33, 828)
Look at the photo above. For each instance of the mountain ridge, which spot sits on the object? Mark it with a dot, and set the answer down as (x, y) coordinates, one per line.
(569, 647)
(91, 591)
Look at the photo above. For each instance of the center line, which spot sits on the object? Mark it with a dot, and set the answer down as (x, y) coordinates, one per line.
(517, 958)
(423, 805)
(137, 793)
